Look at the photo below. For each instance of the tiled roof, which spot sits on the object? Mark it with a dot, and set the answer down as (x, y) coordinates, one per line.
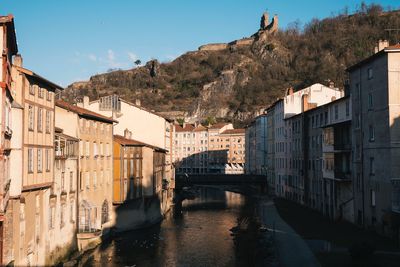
(200, 128)
(131, 142)
(234, 131)
(397, 46)
(83, 112)
(38, 77)
(218, 125)
(187, 128)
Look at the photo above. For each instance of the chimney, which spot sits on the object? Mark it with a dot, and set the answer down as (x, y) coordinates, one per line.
(382, 44)
(85, 101)
(18, 60)
(137, 102)
(184, 125)
(127, 134)
(331, 84)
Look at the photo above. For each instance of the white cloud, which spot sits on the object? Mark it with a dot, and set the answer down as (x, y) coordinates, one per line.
(92, 57)
(111, 55)
(111, 60)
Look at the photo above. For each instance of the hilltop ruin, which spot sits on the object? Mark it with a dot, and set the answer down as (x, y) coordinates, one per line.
(266, 28)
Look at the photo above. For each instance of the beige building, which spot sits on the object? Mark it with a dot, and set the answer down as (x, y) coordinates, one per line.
(374, 85)
(145, 126)
(95, 133)
(191, 148)
(215, 149)
(233, 141)
(31, 195)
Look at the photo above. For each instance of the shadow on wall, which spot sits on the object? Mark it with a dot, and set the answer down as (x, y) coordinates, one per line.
(207, 162)
(139, 210)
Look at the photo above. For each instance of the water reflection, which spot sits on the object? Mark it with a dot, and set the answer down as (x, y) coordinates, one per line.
(217, 228)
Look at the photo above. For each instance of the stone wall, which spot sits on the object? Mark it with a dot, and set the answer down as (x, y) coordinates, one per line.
(213, 47)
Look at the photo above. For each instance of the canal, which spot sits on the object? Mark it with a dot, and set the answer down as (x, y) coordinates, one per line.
(216, 228)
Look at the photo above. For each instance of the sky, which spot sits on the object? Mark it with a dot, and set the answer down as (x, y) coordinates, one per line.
(71, 40)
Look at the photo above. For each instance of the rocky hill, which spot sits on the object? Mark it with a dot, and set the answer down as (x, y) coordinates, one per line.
(236, 80)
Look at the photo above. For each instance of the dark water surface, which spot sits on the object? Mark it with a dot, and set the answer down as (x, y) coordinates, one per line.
(217, 228)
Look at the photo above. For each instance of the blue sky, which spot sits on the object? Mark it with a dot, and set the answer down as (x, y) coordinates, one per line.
(70, 40)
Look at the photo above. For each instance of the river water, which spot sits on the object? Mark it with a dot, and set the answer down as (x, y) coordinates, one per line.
(217, 228)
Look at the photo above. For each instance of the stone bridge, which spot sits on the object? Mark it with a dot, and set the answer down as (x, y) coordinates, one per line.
(219, 179)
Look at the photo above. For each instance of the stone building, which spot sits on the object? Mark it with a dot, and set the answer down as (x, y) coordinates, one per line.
(374, 86)
(30, 191)
(8, 46)
(95, 133)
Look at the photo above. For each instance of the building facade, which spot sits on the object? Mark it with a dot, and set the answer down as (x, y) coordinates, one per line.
(95, 134)
(8, 46)
(374, 86)
(31, 194)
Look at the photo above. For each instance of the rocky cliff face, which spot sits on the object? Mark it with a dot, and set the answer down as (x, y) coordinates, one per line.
(234, 81)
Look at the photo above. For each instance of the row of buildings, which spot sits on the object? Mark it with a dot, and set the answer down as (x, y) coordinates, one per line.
(215, 149)
(71, 174)
(334, 150)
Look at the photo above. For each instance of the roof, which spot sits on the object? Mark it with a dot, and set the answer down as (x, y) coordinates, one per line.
(9, 20)
(234, 131)
(82, 112)
(392, 48)
(218, 125)
(199, 128)
(187, 128)
(38, 77)
(131, 142)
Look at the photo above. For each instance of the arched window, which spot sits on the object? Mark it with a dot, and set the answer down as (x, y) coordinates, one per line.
(104, 212)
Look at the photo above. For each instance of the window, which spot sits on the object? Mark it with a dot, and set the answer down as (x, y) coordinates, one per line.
(40, 92)
(94, 179)
(71, 181)
(32, 89)
(40, 120)
(48, 96)
(336, 112)
(62, 181)
(62, 215)
(370, 101)
(87, 148)
(373, 200)
(81, 152)
(39, 160)
(95, 151)
(371, 133)
(48, 121)
(48, 160)
(72, 211)
(52, 215)
(31, 118)
(30, 160)
(347, 108)
(87, 180)
(370, 74)
(372, 166)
